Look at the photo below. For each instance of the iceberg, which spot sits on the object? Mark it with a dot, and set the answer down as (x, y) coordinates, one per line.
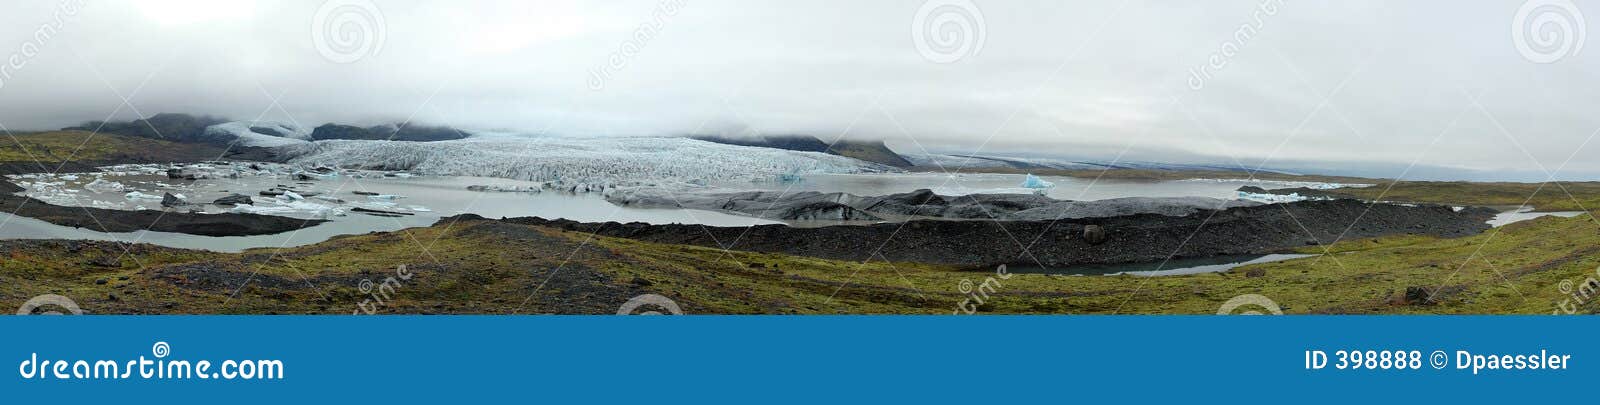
(104, 186)
(1036, 183)
(135, 195)
(1272, 198)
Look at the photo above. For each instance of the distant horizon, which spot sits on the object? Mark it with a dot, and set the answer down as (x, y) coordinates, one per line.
(1366, 169)
(1245, 81)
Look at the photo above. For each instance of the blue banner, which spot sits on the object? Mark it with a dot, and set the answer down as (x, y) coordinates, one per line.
(764, 359)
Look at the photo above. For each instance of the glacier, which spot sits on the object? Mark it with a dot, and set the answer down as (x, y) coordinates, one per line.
(239, 131)
(577, 164)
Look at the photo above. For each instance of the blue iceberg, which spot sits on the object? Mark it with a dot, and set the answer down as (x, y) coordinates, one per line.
(1036, 183)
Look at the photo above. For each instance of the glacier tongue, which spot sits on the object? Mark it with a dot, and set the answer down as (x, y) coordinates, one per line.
(577, 164)
(240, 131)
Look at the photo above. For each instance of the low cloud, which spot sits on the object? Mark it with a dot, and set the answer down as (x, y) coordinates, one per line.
(1356, 84)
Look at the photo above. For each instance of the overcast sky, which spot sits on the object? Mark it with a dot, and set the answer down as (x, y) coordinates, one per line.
(1376, 84)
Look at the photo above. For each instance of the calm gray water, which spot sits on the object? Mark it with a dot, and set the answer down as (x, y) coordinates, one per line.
(1066, 188)
(428, 198)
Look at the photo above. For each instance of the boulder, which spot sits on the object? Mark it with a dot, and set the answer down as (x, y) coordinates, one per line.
(169, 200)
(1417, 296)
(1094, 234)
(234, 199)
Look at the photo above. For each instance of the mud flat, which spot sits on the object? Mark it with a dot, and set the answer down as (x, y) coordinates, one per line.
(1136, 238)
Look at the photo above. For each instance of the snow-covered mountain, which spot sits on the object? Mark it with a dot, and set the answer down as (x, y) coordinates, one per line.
(259, 134)
(596, 163)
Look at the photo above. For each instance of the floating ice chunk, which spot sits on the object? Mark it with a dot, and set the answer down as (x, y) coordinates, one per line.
(104, 186)
(1272, 198)
(385, 197)
(300, 209)
(292, 196)
(1036, 183)
(135, 195)
(418, 208)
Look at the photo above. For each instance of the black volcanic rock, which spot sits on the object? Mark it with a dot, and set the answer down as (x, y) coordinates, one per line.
(169, 200)
(1126, 239)
(803, 143)
(165, 126)
(871, 151)
(234, 199)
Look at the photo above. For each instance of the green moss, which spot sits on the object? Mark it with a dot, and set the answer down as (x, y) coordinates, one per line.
(1553, 196)
(496, 268)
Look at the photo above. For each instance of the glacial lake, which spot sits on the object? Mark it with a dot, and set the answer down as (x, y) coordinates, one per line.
(427, 198)
(1066, 188)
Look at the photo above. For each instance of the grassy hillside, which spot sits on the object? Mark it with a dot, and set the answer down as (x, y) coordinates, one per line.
(1550, 197)
(1159, 175)
(496, 268)
(58, 146)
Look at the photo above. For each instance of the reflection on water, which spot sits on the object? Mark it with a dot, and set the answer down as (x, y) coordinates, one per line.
(1173, 267)
(439, 196)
